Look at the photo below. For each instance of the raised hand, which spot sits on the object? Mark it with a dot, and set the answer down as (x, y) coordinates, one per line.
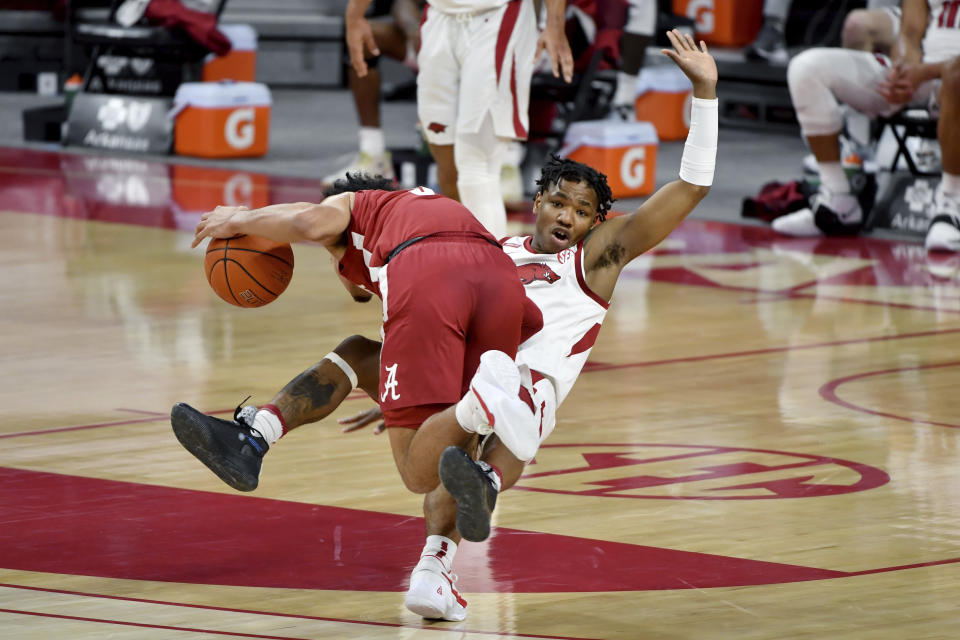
(696, 63)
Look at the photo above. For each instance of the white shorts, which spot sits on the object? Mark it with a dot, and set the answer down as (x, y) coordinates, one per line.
(474, 64)
(819, 78)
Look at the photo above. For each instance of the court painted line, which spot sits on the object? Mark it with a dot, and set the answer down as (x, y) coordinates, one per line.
(393, 625)
(829, 393)
(600, 366)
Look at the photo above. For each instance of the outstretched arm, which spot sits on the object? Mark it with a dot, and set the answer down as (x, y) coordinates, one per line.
(614, 243)
(293, 222)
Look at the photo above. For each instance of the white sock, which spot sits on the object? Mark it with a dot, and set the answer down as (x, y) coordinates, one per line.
(442, 548)
(833, 177)
(950, 183)
(464, 413)
(372, 141)
(268, 424)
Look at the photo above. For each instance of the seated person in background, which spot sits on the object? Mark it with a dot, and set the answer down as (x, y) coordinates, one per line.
(398, 38)
(863, 29)
(923, 71)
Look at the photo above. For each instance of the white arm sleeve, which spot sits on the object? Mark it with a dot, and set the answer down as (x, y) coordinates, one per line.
(700, 151)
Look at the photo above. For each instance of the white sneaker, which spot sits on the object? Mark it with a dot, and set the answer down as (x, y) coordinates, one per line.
(944, 231)
(829, 214)
(433, 592)
(372, 165)
(493, 404)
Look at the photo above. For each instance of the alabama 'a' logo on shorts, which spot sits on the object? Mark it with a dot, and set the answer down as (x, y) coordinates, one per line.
(390, 384)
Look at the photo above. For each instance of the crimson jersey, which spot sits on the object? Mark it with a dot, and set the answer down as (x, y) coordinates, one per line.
(382, 220)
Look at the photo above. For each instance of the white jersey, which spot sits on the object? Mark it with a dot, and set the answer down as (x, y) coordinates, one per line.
(942, 39)
(572, 313)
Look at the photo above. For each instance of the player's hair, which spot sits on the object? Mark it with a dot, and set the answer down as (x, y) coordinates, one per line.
(558, 169)
(359, 182)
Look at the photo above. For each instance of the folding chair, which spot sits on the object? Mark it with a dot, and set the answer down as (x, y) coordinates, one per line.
(159, 43)
(906, 124)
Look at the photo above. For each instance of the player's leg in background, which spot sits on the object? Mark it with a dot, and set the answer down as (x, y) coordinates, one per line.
(770, 45)
(819, 80)
(873, 30)
(478, 158)
(372, 157)
(944, 232)
(638, 28)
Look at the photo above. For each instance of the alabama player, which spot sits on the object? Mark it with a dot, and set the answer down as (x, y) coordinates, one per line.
(475, 62)
(923, 71)
(569, 268)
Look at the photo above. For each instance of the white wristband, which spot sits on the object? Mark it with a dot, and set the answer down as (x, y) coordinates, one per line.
(700, 151)
(346, 368)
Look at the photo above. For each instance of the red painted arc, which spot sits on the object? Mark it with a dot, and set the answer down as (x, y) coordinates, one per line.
(829, 393)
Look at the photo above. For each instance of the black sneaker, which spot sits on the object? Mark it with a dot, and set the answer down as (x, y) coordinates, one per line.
(769, 46)
(470, 485)
(232, 449)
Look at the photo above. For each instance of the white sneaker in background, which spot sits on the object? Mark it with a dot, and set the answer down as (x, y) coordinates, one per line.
(944, 231)
(828, 214)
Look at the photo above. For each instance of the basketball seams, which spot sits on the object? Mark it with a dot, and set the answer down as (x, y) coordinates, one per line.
(258, 283)
(263, 253)
(252, 270)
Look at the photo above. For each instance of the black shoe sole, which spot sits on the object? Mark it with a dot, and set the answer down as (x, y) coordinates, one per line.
(464, 481)
(196, 436)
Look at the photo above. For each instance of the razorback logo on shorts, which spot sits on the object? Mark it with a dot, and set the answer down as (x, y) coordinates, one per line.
(537, 271)
(436, 127)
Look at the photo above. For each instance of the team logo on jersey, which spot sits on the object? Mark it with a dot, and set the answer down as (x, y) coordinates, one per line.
(436, 127)
(390, 384)
(537, 271)
(693, 472)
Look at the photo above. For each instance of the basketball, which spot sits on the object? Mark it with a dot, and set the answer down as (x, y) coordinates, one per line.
(248, 271)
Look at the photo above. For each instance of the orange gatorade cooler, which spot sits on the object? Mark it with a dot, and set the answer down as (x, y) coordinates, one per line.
(221, 119)
(731, 23)
(663, 99)
(625, 151)
(240, 63)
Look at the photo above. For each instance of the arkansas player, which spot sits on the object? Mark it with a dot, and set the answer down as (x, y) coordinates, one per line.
(572, 262)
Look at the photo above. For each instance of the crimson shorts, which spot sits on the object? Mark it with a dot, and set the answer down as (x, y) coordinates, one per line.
(445, 302)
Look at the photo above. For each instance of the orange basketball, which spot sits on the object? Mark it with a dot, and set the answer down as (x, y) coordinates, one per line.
(248, 271)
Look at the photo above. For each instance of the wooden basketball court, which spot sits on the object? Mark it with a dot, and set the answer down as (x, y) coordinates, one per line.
(764, 444)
